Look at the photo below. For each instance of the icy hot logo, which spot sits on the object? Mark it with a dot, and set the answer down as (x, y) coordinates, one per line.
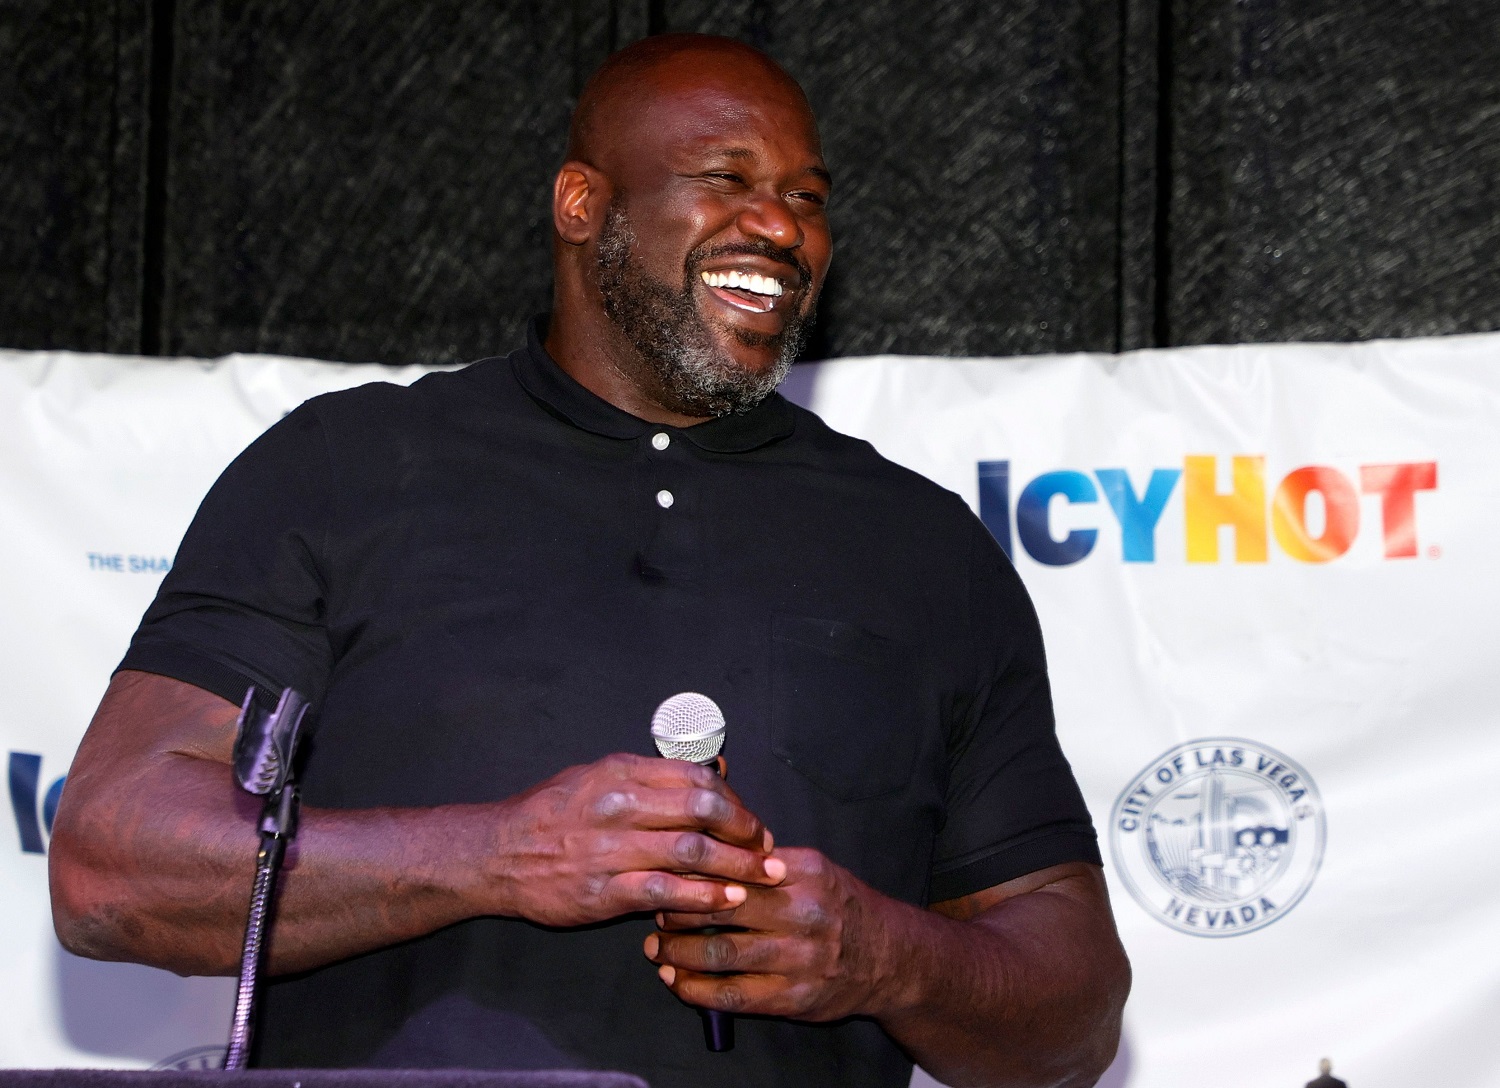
(1313, 513)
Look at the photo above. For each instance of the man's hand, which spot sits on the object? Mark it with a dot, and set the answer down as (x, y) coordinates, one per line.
(1018, 985)
(810, 948)
(618, 836)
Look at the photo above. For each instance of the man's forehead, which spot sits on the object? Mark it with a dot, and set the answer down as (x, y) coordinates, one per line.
(714, 116)
(695, 92)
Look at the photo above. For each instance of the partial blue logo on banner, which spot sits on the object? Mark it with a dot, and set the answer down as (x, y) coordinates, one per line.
(116, 563)
(1219, 837)
(34, 810)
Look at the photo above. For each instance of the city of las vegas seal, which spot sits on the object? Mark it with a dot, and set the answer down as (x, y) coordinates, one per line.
(1218, 837)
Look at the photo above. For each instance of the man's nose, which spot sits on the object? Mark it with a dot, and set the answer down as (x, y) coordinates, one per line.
(769, 217)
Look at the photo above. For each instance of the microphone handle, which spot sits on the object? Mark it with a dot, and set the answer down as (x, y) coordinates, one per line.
(718, 1027)
(718, 1030)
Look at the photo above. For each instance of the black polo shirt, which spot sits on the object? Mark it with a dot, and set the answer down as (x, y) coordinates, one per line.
(493, 574)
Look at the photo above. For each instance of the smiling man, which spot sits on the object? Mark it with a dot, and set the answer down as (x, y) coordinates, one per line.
(692, 238)
(486, 583)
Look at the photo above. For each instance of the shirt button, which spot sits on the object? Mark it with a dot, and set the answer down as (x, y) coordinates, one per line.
(664, 499)
(661, 440)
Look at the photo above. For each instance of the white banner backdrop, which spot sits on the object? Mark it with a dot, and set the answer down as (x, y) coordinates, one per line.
(1266, 581)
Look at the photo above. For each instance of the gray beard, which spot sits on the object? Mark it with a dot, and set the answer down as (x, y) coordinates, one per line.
(666, 330)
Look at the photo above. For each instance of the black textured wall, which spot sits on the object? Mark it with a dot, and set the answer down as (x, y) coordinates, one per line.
(976, 155)
(73, 89)
(362, 181)
(1334, 169)
(369, 181)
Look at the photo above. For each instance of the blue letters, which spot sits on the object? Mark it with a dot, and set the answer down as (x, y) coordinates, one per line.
(994, 500)
(25, 769)
(1032, 524)
(25, 774)
(1138, 517)
(49, 803)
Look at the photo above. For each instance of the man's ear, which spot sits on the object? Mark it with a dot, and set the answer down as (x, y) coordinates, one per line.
(579, 196)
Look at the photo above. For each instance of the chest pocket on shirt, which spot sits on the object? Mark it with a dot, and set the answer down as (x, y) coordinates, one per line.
(844, 706)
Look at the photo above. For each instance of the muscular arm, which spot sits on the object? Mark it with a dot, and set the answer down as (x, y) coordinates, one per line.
(1018, 985)
(153, 847)
(1023, 983)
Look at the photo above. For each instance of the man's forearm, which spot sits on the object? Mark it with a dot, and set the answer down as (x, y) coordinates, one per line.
(163, 876)
(1020, 992)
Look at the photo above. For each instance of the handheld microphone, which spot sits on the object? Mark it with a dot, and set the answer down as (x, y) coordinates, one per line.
(691, 726)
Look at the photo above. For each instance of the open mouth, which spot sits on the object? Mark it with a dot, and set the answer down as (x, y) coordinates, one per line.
(745, 290)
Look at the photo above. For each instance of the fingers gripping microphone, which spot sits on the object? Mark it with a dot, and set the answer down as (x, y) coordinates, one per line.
(691, 726)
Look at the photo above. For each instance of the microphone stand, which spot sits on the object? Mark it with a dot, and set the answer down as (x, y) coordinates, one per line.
(264, 747)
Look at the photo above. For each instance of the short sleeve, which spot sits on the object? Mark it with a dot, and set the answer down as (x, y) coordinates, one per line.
(245, 601)
(1013, 805)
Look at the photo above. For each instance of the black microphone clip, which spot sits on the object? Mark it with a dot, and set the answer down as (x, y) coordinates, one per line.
(265, 745)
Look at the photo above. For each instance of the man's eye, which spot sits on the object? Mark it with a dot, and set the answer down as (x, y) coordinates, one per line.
(810, 198)
(735, 178)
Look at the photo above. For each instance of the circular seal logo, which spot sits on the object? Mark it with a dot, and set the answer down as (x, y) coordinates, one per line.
(1218, 837)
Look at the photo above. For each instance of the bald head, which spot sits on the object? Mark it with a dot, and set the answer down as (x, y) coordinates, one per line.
(690, 229)
(626, 85)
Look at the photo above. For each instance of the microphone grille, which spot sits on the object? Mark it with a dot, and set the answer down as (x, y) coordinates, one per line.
(688, 726)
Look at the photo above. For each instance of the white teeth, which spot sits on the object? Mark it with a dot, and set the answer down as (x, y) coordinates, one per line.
(753, 282)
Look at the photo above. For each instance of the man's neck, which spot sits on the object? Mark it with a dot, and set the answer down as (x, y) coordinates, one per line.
(595, 355)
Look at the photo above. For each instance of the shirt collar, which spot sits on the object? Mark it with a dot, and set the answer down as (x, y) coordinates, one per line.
(552, 387)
